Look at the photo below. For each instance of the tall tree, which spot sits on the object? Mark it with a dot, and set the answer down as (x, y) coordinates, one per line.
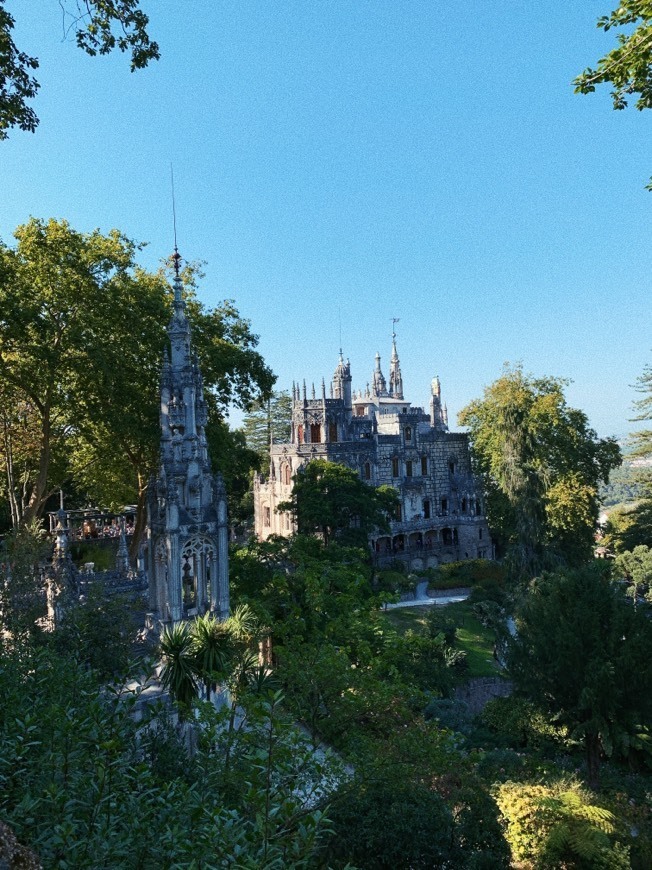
(582, 653)
(266, 422)
(541, 464)
(330, 499)
(82, 329)
(98, 27)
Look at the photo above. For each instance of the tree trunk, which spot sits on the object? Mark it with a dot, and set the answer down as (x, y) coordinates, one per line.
(37, 499)
(592, 743)
(141, 517)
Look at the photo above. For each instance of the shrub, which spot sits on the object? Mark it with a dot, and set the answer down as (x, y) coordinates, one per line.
(559, 826)
(468, 573)
(520, 723)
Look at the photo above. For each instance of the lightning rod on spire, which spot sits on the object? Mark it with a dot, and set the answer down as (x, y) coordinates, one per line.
(176, 256)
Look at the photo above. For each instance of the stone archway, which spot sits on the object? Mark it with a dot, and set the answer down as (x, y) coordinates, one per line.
(198, 567)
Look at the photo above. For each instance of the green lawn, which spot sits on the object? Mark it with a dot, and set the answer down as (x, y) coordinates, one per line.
(476, 640)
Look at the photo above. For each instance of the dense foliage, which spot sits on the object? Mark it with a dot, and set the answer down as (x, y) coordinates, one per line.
(330, 499)
(541, 465)
(582, 655)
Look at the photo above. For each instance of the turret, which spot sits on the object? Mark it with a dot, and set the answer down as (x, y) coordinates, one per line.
(342, 382)
(379, 387)
(395, 378)
(438, 415)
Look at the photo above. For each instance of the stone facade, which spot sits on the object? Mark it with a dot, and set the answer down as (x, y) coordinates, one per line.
(387, 441)
(187, 518)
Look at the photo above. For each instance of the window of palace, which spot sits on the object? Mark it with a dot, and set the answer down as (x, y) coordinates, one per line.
(286, 474)
(408, 433)
(444, 506)
(408, 468)
(367, 471)
(315, 433)
(426, 509)
(424, 465)
(332, 432)
(267, 517)
(395, 466)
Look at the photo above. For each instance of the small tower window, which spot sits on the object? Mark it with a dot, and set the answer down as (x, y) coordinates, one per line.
(444, 507)
(408, 433)
(332, 432)
(408, 468)
(285, 474)
(399, 513)
(464, 504)
(480, 533)
(367, 471)
(395, 468)
(426, 509)
(267, 517)
(300, 434)
(424, 465)
(452, 466)
(315, 433)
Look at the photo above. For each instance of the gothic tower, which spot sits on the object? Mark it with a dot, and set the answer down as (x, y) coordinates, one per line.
(187, 522)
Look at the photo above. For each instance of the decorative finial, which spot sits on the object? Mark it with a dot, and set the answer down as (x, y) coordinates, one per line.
(395, 320)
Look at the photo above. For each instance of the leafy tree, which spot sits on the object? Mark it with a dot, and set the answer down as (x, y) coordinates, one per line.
(582, 655)
(99, 26)
(81, 371)
(629, 527)
(635, 567)
(541, 464)
(331, 499)
(268, 421)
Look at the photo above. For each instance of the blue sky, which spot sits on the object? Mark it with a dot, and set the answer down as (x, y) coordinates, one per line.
(383, 158)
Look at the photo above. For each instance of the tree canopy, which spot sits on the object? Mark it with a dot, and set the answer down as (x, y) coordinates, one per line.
(628, 66)
(332, 500)
(98, 26)
(266, 422)
(82, 329)
(582, 654)
(541, 464)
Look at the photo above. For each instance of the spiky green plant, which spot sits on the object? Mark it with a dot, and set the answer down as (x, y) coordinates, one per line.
(179, 675)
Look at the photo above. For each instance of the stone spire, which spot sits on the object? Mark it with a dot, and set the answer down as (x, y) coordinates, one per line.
(438, 414)
(188, 550)
(341, 384)
(395, 377)
(379, 387)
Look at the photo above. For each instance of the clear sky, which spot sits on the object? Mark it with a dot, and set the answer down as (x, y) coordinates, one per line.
(379, 158)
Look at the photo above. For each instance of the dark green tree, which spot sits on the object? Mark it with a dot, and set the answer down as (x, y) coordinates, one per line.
(582, 655)
(268, 421)
(98, 27)
(541, 464)
(331, 500)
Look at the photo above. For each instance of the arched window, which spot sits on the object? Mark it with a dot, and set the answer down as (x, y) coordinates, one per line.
(267, 517)
(286, 474)
(463, 505)
(444, 506)
(315, 433)
(395, 467)
(300, 434)
(424, 465)
(426, 509)
(408, 468)
(367, 471)
(408, 433)
(332, 432)
(452, 466)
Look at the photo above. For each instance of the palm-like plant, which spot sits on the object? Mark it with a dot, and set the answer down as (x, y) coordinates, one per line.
(179, 674)
(212, 649)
